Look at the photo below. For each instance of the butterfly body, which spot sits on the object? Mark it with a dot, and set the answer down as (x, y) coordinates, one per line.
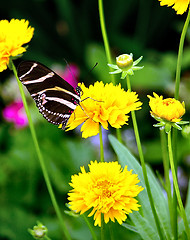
(55, 98)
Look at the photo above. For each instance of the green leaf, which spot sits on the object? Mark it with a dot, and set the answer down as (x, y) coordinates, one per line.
(130, 227)
(176, 126)
(183, 122)
(137, 61)
(113, 66)
(145, 214)
(116, 71)
(160, 124)
(187, 211)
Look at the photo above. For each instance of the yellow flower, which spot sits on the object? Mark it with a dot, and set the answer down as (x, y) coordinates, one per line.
(180, 6)
(103, 104)
(168, 109)
(106, 189)
(13, 35)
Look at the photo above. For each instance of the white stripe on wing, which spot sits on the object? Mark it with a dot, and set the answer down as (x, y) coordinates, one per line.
(62, 101)
(29, 71)
(49, 75)
(57, 89)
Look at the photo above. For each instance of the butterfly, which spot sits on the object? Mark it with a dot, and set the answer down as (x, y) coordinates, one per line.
(55, 98)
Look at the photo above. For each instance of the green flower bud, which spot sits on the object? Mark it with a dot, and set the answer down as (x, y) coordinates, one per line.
(39, 231)
(124, 61)
(125, 65)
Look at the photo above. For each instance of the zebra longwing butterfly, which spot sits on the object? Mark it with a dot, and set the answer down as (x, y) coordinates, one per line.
(55, 98)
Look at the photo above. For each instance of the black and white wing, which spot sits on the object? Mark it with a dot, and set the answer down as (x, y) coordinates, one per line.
(55, 98)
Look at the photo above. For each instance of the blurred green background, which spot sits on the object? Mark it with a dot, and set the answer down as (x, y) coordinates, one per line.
(71, 30)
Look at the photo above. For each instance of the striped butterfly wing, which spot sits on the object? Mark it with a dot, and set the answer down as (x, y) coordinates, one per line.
(55, 98)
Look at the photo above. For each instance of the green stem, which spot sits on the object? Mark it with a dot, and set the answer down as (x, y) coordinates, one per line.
(107, 50)
(90, 227)
(182, 210)
(101, 144)
(167, 180)
(104, 35)
(141, 156)
(102, 227)
(177, 85)
(180, 55)
(41, 160)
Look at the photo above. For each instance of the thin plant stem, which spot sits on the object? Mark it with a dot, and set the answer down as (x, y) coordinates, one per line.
(166, 165)
(181, 208)
(101, 144)
(176, 95)
(107, 50)
(180, 55)
(40, 157)
(90, 227)
(111, 231)
(141, 156)
(102, 227)
(104, 35)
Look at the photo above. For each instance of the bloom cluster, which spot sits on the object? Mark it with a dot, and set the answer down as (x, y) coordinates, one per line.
(13, 35)
(106, 189)
(103, 104)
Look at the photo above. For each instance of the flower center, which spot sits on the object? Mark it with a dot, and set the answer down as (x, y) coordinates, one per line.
(104, 187)
(168, 101)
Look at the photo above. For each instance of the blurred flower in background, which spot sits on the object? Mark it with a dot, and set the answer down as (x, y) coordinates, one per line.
(16, 114)
(70, 74)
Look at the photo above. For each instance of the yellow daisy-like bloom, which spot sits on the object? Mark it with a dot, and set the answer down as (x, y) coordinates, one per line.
(180, 6)
(168, 109)
(106, 189)
(103, 104)
(13, 35)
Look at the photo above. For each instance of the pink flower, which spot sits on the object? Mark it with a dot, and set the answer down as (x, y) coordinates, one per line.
(15, 113)
(71, 75)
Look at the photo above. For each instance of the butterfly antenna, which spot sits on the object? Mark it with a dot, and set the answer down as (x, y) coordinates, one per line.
(94, 66)
(71, 71)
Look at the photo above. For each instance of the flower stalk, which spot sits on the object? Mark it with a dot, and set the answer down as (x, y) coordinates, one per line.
(102, 227)
(101, 144)
(107, 50)
(181, 208)
(141, 156)
(176, 95)
(90, 227)
(180, 55)
(104, 35)
(166, 164)
(39, 154)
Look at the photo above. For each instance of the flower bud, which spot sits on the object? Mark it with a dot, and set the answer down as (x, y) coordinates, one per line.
(124, 61)
(39, 231)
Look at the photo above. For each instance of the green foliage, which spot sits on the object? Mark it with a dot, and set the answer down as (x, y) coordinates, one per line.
(143, 220)
(70, 30)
